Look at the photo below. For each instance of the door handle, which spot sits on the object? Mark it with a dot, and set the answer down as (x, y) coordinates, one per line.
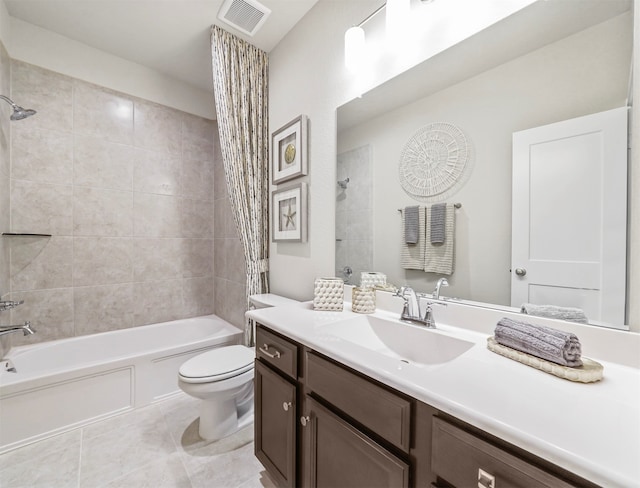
(305, 420)
(286, 406)
(521, 271)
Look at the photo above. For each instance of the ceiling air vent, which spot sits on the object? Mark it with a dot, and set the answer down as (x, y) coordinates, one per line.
(244, 15)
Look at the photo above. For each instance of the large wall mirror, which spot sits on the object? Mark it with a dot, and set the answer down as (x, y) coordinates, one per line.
(552, 61)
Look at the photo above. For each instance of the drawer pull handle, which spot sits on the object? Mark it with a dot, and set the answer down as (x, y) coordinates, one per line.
(286, 406)
(273, 355)
(486, 480)
(305, 420)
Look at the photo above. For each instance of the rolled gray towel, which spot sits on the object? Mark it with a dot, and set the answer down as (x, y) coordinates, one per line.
(543, 342)
(438, 219)
(412, 224)
(571, 314)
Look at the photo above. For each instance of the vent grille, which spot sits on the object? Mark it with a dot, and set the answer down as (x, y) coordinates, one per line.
(244, 15)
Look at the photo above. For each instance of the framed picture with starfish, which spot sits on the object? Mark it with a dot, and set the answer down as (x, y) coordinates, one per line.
(290, 214)
(289, 151)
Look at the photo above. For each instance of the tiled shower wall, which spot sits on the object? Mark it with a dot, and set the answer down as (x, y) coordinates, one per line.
(354, 213)
(126, 188)
(4, 192)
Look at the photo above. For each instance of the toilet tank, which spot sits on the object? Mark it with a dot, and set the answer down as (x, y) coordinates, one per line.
(266, 300)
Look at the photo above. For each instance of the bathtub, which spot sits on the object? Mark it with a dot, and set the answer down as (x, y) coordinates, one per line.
(64, 384)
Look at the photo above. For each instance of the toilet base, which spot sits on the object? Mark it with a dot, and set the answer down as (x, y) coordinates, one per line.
(219, 419)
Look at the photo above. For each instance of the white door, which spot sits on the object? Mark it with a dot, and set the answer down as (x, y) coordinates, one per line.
(569, 220)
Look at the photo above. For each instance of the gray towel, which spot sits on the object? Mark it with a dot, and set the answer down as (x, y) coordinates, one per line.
(411, 224)
(543, 342)
(412, 255)
(551, 311)
(438, 221)
(439, 258)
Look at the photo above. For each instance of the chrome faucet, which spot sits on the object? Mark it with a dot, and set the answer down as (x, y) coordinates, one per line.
(25, 328)
(436, 293)
(411, 308)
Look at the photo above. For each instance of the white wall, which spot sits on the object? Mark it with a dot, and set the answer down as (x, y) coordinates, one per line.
(34, 45)
(307, 75)
(489, 108)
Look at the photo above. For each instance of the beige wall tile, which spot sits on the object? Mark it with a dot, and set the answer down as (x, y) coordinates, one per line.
(49, 93)
(102, 260)
(157, 301)
(157, 258)
(197, 258)
(103, 308)
(197, 138)
(42, 155)
(157, 172)
(102, 112)
(157, 215)
(197, 218)
(41, 208)
(158, 128)
(38, 263)
(99, 212)
(198, 179)
(102, 164)
(230, 301)
(198, 296)
(49, 311)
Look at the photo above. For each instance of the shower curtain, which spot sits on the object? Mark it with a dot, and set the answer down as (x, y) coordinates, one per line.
(240, 74)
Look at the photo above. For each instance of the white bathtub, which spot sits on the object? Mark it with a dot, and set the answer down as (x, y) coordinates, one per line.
(64, 384)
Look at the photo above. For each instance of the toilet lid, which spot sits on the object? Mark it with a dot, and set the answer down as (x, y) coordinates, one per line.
(219, 364)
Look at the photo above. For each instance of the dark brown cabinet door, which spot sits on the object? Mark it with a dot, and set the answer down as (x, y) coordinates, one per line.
(275, 425)
(335, 454)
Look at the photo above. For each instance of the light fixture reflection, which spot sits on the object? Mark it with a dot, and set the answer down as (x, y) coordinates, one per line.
(354, 48)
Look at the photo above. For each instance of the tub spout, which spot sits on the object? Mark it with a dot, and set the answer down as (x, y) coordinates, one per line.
(25, 328)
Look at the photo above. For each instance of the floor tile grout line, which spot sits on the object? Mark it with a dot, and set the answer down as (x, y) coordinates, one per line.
(80, 456)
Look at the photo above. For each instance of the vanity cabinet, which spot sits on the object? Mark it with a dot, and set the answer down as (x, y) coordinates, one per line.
(321, 424)
(275, 422)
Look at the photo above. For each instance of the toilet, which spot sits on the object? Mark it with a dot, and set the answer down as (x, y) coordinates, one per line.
(222, 379)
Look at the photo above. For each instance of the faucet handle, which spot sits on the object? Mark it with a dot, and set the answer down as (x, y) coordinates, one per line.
(428, 317)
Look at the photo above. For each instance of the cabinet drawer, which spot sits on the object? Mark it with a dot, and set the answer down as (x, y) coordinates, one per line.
(458, 456)
(378, 409)
(278, 352)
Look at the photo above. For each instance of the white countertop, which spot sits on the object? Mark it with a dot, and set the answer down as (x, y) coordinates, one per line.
(592, 430)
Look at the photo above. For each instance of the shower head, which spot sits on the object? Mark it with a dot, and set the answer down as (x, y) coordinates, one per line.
(343, 183)
(19, 113)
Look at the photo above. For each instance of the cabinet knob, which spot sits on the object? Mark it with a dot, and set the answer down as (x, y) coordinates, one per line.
(286, 406)
(486, 480)
(305, 420)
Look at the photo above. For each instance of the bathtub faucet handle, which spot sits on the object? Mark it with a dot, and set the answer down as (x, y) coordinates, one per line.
(9, 304)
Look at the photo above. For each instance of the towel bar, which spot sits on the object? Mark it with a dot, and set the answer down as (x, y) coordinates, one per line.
(456, 205)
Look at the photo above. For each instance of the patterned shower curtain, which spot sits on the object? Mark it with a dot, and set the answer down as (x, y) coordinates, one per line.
(240, 73)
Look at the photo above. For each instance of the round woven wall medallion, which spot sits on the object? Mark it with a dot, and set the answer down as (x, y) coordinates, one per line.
(435, 162)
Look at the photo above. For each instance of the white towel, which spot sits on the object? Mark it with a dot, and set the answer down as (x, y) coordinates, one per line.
(412, 255)
(439, 258)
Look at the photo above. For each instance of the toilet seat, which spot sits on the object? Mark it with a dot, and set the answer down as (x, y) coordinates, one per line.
(217, 365)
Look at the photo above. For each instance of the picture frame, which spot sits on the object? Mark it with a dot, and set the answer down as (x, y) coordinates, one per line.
(289, 150)
(290, 214)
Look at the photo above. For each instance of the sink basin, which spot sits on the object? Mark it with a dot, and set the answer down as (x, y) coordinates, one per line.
(410, 343)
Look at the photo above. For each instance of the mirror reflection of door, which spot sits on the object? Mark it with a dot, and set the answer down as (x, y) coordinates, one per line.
(569, 215)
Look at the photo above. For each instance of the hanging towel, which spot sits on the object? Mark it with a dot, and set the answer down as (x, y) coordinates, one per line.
(411, 224)
(438, 223)
(543, 342)
(439, 258)
(551, 311)
(412, 255)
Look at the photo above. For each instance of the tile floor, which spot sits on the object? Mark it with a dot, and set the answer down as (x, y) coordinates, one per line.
(156, 446)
